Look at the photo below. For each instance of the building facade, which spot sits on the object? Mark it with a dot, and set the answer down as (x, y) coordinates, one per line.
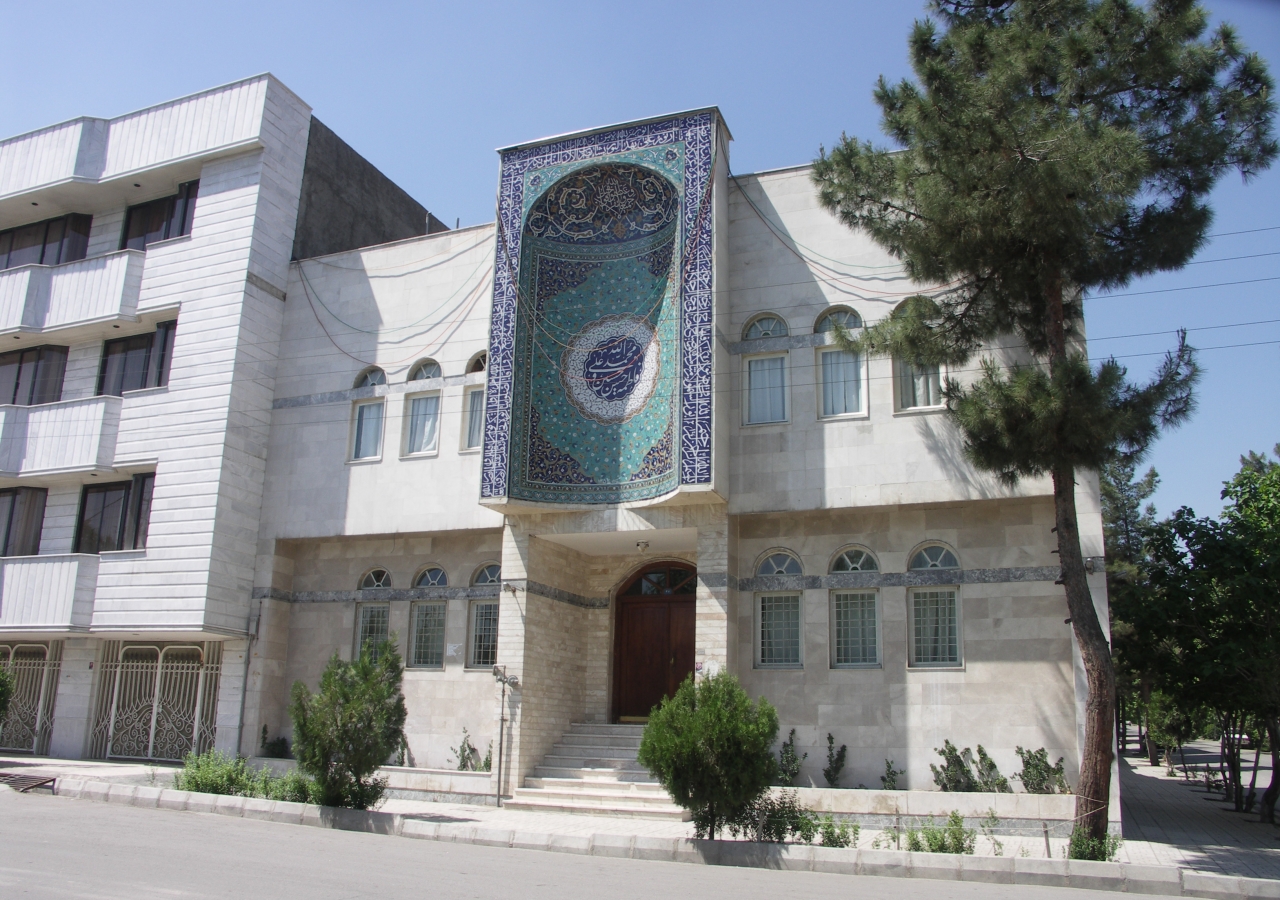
(603, 443)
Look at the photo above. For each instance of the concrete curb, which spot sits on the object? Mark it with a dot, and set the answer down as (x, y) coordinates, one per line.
(1101, 876)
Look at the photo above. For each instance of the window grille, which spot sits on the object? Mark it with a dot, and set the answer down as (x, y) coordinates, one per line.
(919, 385)
(935, 629)
(854, 627)
(780, 630)
(428, 635)
(483, 650)
(841, 383)
(424, 417)
(766, 390)
(375, 621)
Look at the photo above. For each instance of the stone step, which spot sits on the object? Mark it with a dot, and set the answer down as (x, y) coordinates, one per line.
(637, 775)
(630, 810)
(626, 741)
(595, 728)
(591, 785)
(594, 752)
(583, 761)
(594, 798)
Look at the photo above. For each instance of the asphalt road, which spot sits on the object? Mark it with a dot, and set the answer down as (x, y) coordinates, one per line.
(56, 847)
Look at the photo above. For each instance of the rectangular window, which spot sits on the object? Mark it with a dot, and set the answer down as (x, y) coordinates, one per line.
(424, 422)
(935, 628)
(375, 625)
(427, 650)
(779, 630)
(159, 220)
(48, 243)
(368, 436)
(841, 383)
(853, 629)
(28, 377)
(137, 362)
(766, 390)
(475, 419)
(482, 648)
(919, 385)
(115, 516)
(21, 520)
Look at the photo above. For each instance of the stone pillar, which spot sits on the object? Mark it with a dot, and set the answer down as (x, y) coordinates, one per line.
(73, 706)
(714, 647)
(512, 612)
(231, 685)
(267, 693)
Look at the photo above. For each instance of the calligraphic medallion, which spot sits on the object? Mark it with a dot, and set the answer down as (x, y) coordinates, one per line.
(610, 368)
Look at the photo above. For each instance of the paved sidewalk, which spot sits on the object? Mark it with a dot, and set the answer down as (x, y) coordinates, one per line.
(1168, 822)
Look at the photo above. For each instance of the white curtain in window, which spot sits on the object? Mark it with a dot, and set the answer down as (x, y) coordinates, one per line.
(368, 430)
(841, 383)
(475, 419)
(766, 390)
(919, 385)
(424, 416)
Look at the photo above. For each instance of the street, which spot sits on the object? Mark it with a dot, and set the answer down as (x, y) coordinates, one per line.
(52, 847)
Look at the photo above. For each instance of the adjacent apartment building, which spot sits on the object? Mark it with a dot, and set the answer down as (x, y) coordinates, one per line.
(267, 409)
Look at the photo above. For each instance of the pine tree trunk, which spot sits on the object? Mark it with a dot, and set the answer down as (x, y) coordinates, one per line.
(1093, 792)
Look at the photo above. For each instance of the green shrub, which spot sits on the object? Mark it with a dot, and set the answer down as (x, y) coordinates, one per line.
(889, 779)
(709, 746)
(351, 726)
(835, 761)
(1038, 777)
(276, 748)
(956, 775)
(1082, 846)
(988, 776)
(838, 834)
(214, 772)
(292, 786)
(7, 687)
(466, 754)
(788, 762)
(775, 818)
(952, 837)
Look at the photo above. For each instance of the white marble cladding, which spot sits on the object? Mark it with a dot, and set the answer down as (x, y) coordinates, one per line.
(47, 593)
(35, 298)
(54, 438)
(91, 149)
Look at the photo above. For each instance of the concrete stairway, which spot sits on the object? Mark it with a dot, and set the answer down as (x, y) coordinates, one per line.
(593, 770)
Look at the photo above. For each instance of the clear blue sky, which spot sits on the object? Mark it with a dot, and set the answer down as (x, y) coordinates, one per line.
(427, 91)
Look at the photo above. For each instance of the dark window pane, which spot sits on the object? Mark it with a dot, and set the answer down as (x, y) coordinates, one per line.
(50, 369)
(7, 499)
(26, 377)
(124, 364)
(53, 242)
(139, 512)
(162, 354)
(9, 365)
(184, 209)
(25, 522)
(75, 244)
(101, 517)
(28, 245)
(6, 241)
(146, 224)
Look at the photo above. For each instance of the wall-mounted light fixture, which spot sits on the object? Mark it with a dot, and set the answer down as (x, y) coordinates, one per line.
(500, 675)
(642, 546)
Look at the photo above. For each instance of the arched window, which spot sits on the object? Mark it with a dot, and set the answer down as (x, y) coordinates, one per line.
(935, 556)
(375, 578)
(780, 563)
(432, 576)
(490, 573)
(841, 316)
(854, 559)
(765, 326)
(479, 363)
(428, 368)
(370, 377)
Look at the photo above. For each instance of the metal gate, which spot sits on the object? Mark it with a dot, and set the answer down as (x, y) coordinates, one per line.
(156, 702)
(35, 668)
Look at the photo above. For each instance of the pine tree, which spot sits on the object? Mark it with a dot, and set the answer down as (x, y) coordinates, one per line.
(1048, 148)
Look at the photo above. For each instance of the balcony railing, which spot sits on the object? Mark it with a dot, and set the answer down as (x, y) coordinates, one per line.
(42, 298)
(48, 593)
(71, 436)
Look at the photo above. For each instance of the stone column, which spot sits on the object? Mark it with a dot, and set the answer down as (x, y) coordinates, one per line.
(512, 612)
(73, 706)
(717, 561)
(231, 687)
(267, 693)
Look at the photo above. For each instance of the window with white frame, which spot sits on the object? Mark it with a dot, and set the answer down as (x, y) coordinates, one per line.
(855, 629)
(765, 326)
(427, 648)
(780, 563)
(934, 556)
(432, 576)
(373, 625)
(766, 389)
(935, 627)
(375, 578)
(919, 385)
(838, 318)
(482, 643)
(473, 435)
(854, 559)
(423, 431)
(778, 617)
(366, 439)
(841, 377)
(491, 573)
(371, 377)
(427, 368)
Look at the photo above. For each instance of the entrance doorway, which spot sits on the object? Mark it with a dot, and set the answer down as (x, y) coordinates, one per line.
(653, 638)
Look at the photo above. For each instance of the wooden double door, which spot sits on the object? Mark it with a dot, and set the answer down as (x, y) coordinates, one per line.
(653, 638)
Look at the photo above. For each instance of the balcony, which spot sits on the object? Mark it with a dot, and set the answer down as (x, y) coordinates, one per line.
(47, 593)
(59, 438)
(84, 292)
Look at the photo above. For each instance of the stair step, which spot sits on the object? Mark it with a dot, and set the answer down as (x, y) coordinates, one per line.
(628, 776)
(593, 751)
(593, 785)
(601, 740)
(593, 798)
(619, 809)
(600, 728)
(592, 762)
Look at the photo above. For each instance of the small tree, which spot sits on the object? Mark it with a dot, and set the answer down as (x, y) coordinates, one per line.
(7, 687)
(789, 761)
(1049, 148)
(835, 761)
(710, 747)
(351, 726)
